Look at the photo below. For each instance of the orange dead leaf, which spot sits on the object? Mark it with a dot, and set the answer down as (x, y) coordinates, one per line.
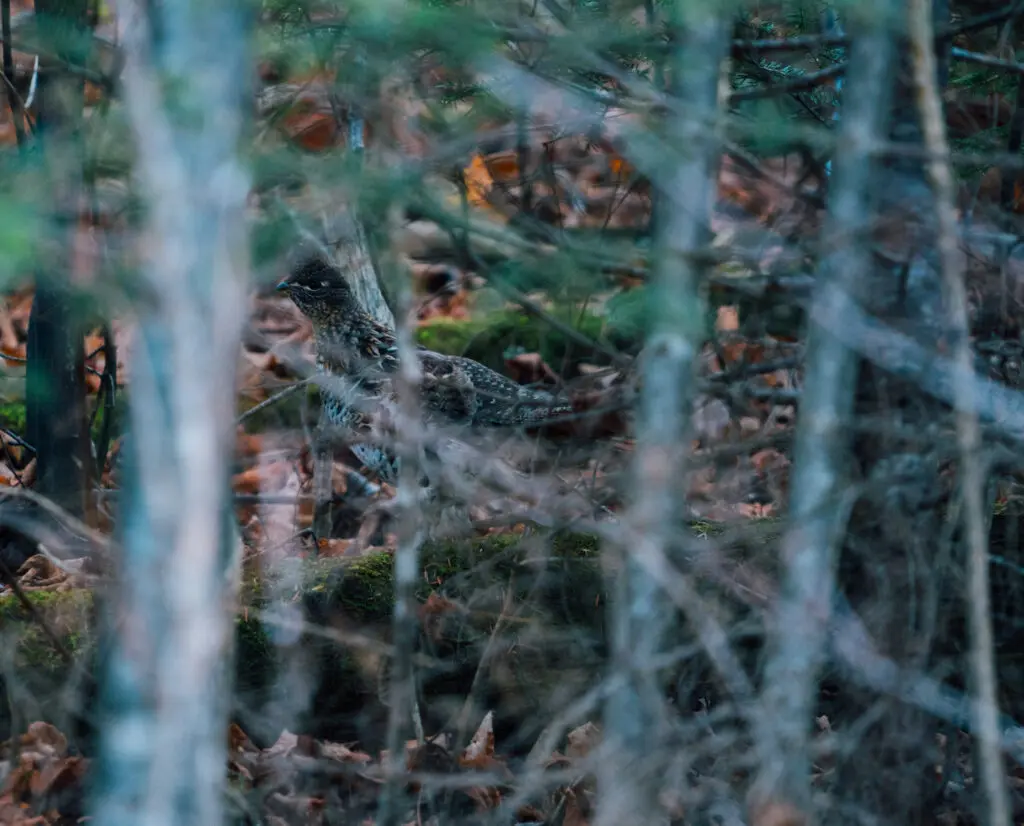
(312, 131)
(530, 814)
(767, 459)
(776, 813)
(93, 343)
(530, 368)
(304, 517)
(237, 739)
(248, 481)
(733, 351)
(249, 444)
(59, 775)
(620, 166)
(582, 740)
(333, 547)
(343, 754)
(577, 809)
(93, 94)
(479, 754)
(503, 166)
(18, 352)
(485, 799)
(728, 320)
(478, 181)
(433, 612)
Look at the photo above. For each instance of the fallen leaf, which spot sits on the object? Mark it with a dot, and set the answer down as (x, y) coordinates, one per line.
(582, 740)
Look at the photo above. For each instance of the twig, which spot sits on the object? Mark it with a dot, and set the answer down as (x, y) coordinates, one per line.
(796, 644)
(277, 397)
(404, 707)
(787, 87)
(11, 463)
(986, 706)
(634, 717)
(463, 717)
(812, 41)
(108, 388)
(33, 612)
(14, 437)
(785, 44)
(987, 60)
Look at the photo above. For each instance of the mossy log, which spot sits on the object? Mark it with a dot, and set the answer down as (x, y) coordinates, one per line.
(494, 337)
(511, 624)
(530, 609)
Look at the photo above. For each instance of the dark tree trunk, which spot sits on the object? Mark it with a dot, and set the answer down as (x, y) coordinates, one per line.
(55, 395)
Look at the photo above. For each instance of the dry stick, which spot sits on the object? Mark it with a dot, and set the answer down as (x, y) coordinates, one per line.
(463, 720)
(403, 689)
(986, 709)
(640, 613)
(277, 397)
(346, 638)
(752, 163)
(196, 265)
(797, 84)
(796, 645)
(987, 60)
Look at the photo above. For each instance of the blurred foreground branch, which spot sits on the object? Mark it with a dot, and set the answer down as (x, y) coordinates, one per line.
(165, 690)
(640, 611)
(818, 513)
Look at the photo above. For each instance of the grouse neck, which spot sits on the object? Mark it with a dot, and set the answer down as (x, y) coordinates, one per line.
(332, 349)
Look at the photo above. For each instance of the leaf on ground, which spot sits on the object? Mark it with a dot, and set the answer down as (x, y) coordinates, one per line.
(334, 547)
(530, 368)
(479, 754)
(583, 740)
(40, 573)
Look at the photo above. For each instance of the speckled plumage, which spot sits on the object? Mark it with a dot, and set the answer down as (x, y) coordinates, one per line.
(352, 345)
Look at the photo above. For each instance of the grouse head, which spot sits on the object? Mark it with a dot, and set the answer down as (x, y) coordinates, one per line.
(320, 291)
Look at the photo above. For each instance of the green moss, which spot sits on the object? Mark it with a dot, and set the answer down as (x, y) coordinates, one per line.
(554, 633)
(255, 657)
(502, 334)
(362, 589)
(74, 601)
(445, 335)
(66, 614)
(576, 545)
(12, 416)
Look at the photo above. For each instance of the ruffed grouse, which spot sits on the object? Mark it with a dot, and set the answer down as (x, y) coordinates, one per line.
(359, 357)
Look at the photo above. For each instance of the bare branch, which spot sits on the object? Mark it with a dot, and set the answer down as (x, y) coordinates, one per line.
(798, 631)
(640, 613)
(986, 707)
(163, 755)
